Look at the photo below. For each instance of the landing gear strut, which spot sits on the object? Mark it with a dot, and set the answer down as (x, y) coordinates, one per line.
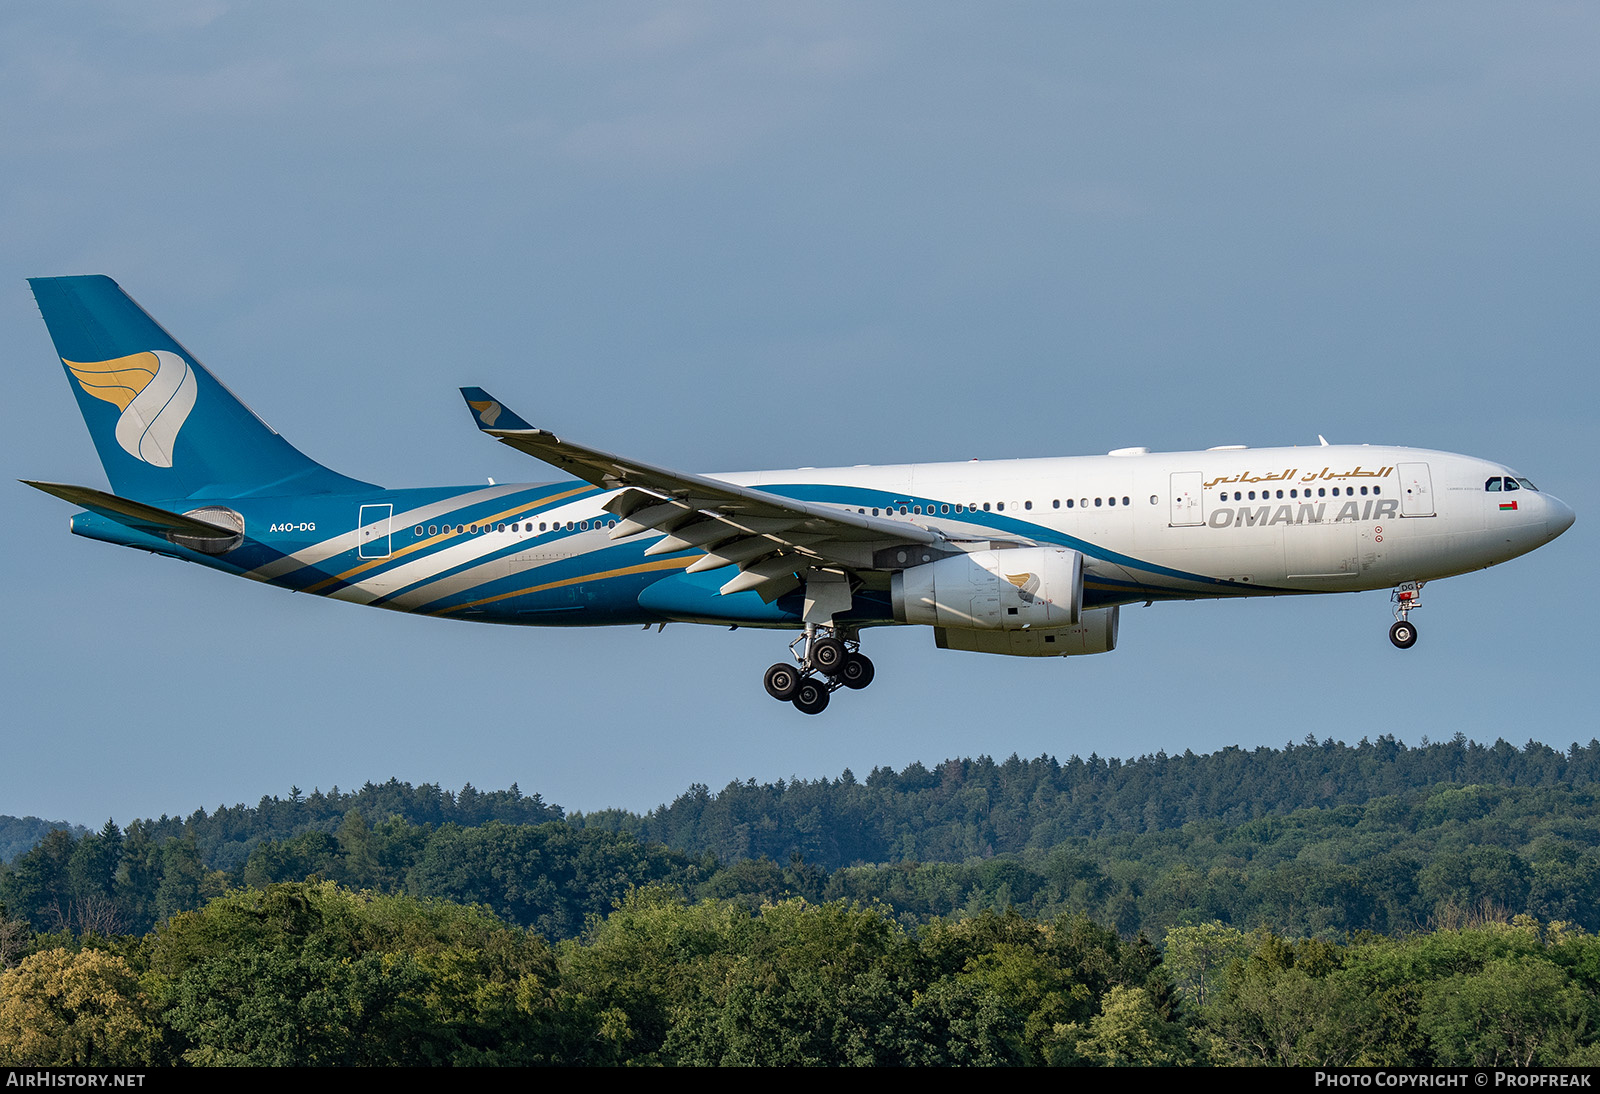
(1407, 598)
(827, 659)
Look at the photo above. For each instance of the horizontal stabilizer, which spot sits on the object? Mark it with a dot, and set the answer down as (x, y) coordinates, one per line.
(134, 514)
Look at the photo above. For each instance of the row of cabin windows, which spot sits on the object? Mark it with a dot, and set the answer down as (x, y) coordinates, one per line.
(913, 510)
(998, 507)
(1322, 492)
(946, 509)
(477, 529)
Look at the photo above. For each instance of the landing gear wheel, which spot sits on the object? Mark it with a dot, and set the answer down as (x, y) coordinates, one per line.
(782, 681)
(827, 655)
(811, 697)
(857, 671)
(1403, 634)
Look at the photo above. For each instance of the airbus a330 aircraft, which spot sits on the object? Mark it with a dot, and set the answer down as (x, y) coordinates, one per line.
(1024, 557)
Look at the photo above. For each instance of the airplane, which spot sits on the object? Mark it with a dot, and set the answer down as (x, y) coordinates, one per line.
(1025, 557)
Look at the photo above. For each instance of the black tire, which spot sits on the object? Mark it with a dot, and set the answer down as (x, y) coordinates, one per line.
(827, 655)
(782, 681)
(1403, 634)
(811, 697)
(857, 671)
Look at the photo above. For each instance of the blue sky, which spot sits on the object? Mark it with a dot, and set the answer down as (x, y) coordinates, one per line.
(769, 235)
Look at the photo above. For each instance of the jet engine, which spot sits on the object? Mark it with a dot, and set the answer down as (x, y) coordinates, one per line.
(1008, 590)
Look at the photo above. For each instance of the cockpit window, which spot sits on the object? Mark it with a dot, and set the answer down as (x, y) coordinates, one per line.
(1510, 482)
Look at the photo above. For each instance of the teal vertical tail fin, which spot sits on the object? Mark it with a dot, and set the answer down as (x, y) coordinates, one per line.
(165, 427)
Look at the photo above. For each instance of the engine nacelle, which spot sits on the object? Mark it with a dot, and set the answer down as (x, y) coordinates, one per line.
(1096, 632)
(993, 590)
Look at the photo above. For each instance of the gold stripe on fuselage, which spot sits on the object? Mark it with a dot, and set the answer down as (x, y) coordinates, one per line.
(442, 536)
(642, 568)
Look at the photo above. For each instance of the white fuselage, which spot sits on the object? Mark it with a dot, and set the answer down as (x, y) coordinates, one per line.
(1228, 521)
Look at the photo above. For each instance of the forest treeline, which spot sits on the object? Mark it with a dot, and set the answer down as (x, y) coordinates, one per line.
(955, 810)
(1320, 904)
(20, 834)
(315, 974)
(1346, 859)
(976, 807)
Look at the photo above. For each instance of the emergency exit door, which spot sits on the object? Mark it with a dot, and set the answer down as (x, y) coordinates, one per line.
(372, 531)
(1187, 492)
(1416, 490)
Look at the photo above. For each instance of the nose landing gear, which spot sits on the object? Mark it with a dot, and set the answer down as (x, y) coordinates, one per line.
(1407, 597)
(827, 659)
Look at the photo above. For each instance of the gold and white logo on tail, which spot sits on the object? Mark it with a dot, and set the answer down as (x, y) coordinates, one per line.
(155, 391)
(488, 412)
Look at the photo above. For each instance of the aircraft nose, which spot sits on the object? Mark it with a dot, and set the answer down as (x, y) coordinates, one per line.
(1558, 516)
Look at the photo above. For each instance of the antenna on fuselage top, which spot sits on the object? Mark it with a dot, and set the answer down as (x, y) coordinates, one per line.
(1324, 441)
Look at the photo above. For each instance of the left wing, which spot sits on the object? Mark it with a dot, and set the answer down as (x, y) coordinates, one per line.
(772, 540)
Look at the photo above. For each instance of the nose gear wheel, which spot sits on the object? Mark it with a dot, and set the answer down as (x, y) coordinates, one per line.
(1407, 598)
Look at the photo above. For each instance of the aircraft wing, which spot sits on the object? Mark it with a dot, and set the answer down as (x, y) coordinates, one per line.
(772, 539)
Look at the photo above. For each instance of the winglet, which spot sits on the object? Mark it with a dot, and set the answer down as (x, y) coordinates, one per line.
(489, 412)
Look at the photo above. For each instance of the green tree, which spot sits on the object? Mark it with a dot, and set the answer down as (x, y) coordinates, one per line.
(1129, 1032)
(85, 1009)
(1515, 1012)
(314, 975)
(1198, 957)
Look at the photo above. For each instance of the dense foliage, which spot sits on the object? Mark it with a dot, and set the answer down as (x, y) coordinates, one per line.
(21, 834)
(1323, 904)
(969, 808)
(311, 973)
(1316, 840)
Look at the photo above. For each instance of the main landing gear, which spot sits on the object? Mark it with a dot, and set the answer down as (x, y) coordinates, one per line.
(1407, 598)
(826, 661)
